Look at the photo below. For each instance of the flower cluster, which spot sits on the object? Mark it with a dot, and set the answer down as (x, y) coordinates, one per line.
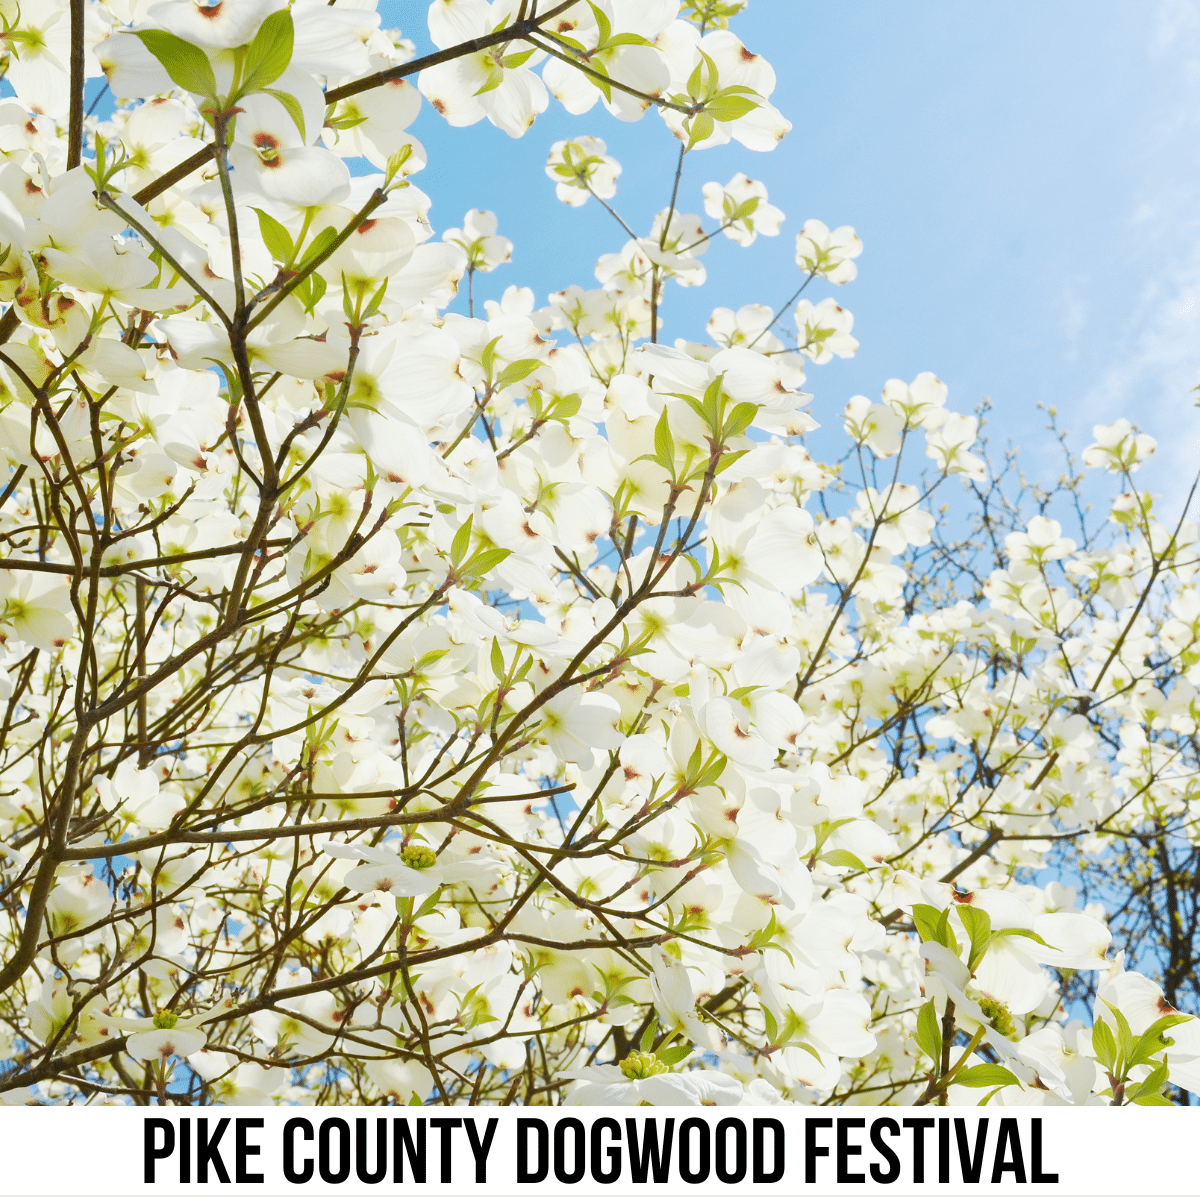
(402, 702)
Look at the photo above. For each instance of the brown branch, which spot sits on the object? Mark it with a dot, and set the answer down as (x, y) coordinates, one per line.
(75, 118)
(994, 835)
(175, 175)
(518, 31)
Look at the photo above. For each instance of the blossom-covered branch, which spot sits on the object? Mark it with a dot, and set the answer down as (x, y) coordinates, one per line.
(402, 703)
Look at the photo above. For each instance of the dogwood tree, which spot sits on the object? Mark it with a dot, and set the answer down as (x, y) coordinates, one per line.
(408, 705)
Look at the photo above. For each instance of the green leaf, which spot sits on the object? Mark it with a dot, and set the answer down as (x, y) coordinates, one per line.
(348, 301)
(1024, 933)
(1154, 1082)
(310, 291)
(603, 25)
(713, 83)
(979, 929)
(320, 243)
(730, 108)
(985, 1075)
(485, 561)
(1153, 1040)
(929, 1031)
(693, 404)
(491, 83)
(511, 61)
(516, 371)
(291, 106)
(699, 128)
(729, 459)
(926, 918)
(764, 937)
(770, 1026)
(711, 407)
(628, 39)
(571, 43)
(712, 772)
(461, 543)
(809, 1050)
(396, 161)
(738, 212)
(843, 858)
(946, 934)
(1158, 1100)
(673, 1054)
(497, 659)
(566, 406)
(647, 1041)
(739, 420)
(276, 237)
(599, 78)
(416, 1100)
(187, 65)
(487, 358)
(1104, 1044)
(346, 122)
(1125, 1038)
(1166, 1022)
(934, 926)
(428, 905)
(269, 53)
(664, 443)
(376, 301)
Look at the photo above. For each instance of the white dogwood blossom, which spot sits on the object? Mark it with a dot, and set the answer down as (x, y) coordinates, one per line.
(741, 207)
(581, 168)
(828, 253)
(412, 701)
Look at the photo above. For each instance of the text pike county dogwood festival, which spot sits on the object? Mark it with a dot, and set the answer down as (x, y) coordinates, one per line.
(608, 1150)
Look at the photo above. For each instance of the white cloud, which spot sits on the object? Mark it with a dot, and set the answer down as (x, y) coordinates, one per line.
(1149, 369)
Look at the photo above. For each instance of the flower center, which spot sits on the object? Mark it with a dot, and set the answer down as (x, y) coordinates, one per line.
(999, 1016)
(641, 1064)
(267, 148)
(418, 857)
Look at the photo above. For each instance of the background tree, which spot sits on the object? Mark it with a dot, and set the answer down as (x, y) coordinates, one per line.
(403, 705)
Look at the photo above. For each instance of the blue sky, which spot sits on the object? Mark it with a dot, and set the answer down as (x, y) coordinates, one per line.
(1025, 178)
